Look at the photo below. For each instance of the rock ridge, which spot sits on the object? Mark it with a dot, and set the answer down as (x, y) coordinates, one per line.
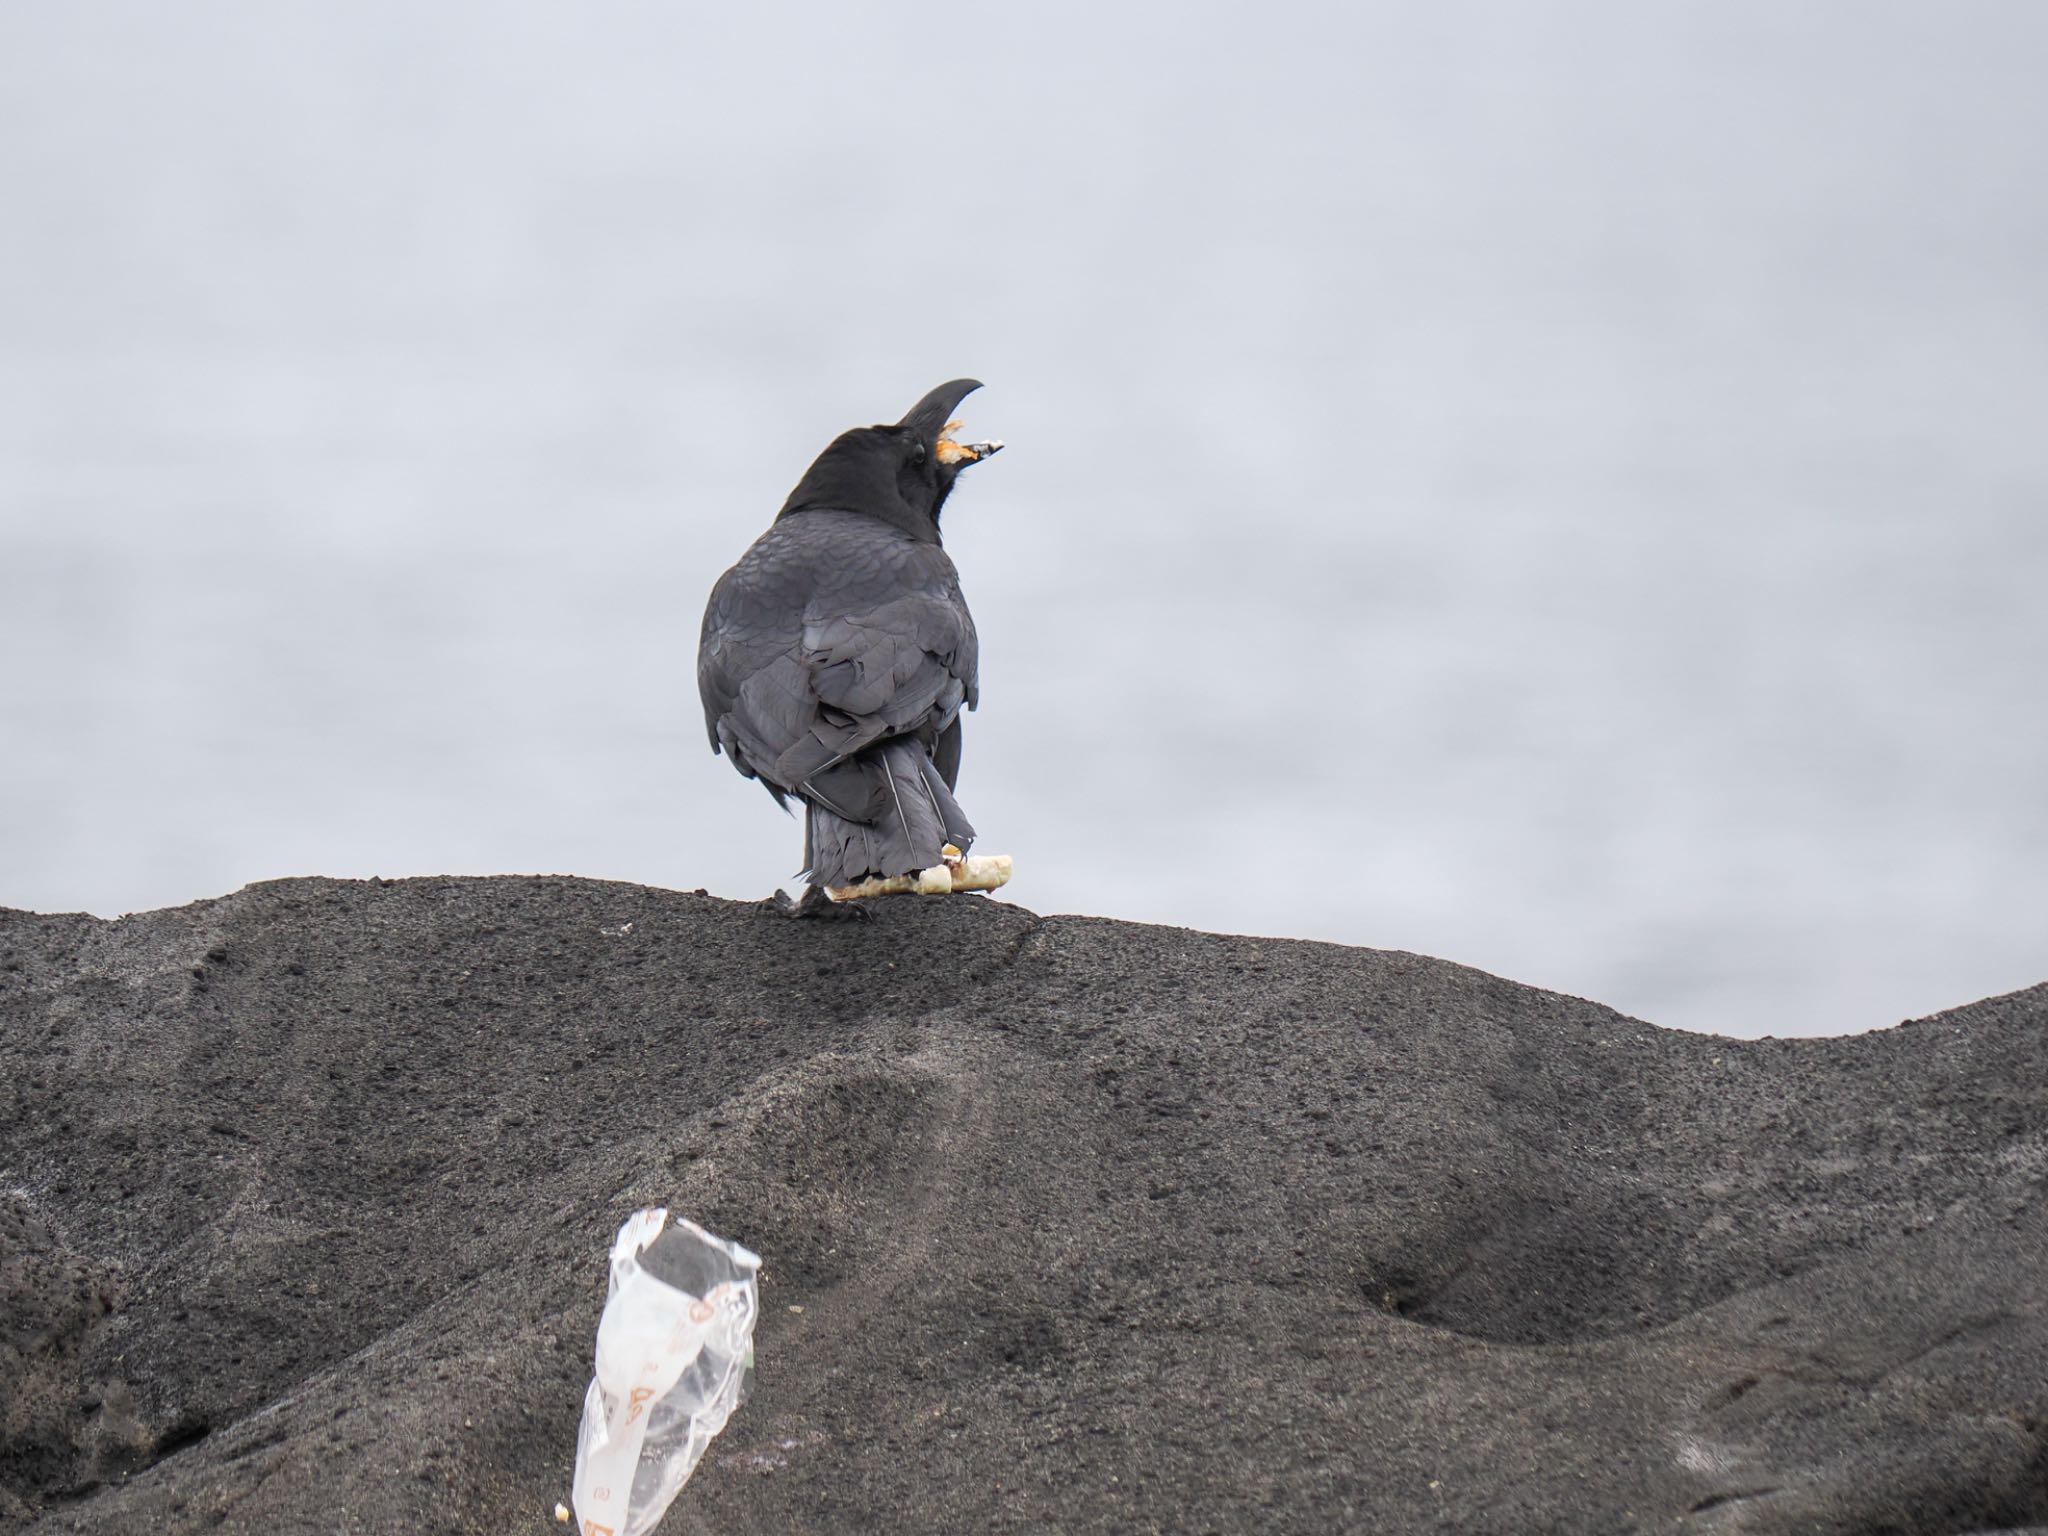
(1069, 1224)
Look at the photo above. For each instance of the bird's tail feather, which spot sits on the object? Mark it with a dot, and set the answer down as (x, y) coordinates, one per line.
(889, 813)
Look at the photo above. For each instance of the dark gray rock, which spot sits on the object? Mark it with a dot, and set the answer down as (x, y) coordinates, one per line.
(305, 1196)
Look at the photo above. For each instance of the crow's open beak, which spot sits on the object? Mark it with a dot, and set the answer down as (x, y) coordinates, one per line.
(932, 419)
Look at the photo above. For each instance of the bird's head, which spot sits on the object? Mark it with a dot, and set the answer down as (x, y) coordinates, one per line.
(901, 472)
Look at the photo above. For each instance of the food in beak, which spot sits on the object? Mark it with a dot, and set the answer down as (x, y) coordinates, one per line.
(951, 452)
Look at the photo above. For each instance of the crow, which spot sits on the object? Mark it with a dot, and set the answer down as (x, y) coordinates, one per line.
(836, 656)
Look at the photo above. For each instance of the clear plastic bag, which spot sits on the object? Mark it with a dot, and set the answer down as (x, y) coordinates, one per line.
(674, 1350)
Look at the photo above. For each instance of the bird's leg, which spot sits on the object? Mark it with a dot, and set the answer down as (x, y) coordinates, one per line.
(815, 903)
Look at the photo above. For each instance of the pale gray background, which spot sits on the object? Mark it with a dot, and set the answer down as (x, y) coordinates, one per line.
(1554, 486)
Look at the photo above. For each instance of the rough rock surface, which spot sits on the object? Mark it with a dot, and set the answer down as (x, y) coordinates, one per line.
(305, 1196)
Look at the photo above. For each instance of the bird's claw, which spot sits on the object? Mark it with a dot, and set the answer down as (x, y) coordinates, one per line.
(815, 903)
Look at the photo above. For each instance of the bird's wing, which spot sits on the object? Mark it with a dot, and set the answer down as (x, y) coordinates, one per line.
(825, 640)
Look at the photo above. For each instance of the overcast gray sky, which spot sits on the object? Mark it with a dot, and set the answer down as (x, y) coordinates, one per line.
(1559, 488)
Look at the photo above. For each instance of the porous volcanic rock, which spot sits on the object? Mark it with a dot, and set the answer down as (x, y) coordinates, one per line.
(1075, 1225)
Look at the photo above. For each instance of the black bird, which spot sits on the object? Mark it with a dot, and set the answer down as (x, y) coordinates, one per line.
(837, 655)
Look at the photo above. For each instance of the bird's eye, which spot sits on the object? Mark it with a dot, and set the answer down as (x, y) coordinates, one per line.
(917, 454)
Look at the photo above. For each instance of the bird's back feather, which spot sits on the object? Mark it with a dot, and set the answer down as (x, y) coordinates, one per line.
(835, 657)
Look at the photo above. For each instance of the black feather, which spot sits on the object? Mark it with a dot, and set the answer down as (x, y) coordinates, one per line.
(837, 655)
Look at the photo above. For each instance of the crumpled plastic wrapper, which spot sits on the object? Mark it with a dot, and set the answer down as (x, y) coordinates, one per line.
(675, 1348)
